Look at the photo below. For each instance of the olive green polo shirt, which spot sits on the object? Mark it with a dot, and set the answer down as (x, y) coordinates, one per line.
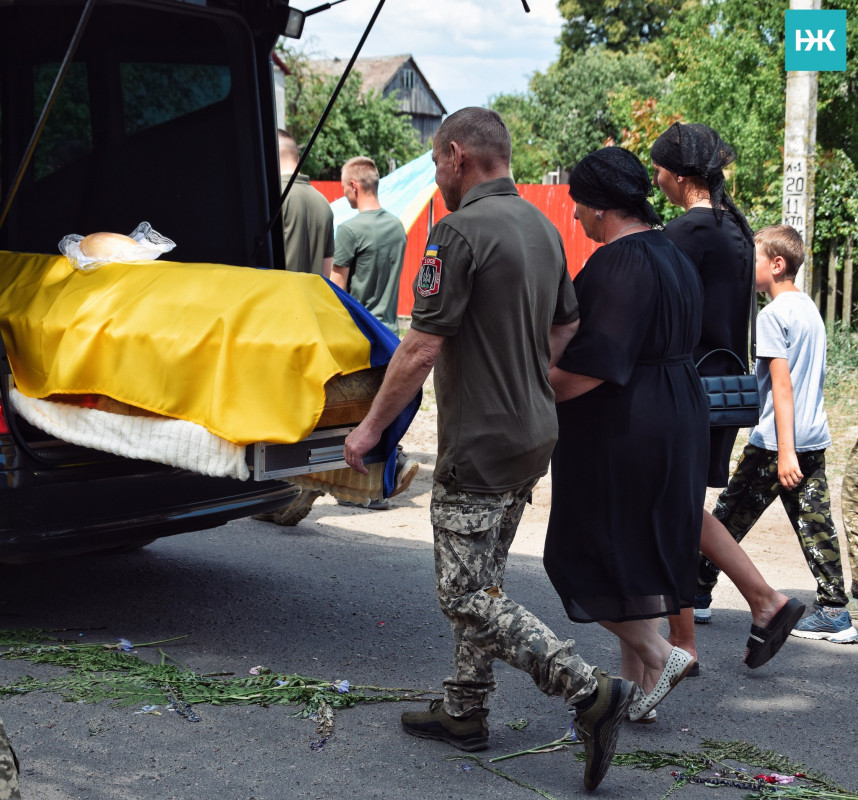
(308, 226)
(493, 281)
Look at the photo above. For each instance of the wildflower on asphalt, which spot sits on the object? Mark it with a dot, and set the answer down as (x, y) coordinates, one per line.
(124, 644)
(341, 686)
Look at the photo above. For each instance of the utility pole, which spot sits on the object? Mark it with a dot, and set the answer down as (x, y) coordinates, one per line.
(800, 159)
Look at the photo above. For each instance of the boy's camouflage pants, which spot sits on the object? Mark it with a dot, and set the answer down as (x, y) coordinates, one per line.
(473, 534)
(8, 769)
(849, 505)
(752, 489)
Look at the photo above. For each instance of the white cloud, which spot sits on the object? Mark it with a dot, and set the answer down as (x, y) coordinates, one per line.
(467, 49)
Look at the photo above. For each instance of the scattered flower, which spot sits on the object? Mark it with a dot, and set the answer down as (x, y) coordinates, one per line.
(259, 670)
(466, 767)
(149, 710)
(341, 686)
(124, 644)
(381, 624)
(318, 744)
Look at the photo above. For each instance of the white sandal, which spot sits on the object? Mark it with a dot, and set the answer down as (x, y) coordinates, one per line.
(678, 665)
(637, 696)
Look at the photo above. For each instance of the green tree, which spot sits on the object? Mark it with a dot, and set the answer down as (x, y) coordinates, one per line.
(359, 124)
(573, 101)
(837, 112)
(726, 61)
(530, 154)
(620, 26)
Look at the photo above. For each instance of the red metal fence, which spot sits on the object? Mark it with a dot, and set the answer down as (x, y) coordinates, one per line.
(553, 201)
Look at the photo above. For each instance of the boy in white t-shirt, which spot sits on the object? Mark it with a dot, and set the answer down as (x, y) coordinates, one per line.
(785, 455)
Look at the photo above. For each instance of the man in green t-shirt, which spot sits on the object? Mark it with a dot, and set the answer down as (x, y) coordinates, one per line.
(369, 248)
(367, 264)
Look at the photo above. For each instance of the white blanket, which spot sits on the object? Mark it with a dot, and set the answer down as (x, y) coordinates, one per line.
(175, 442)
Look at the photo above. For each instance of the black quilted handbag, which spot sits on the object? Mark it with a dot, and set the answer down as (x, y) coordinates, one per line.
(734, 400)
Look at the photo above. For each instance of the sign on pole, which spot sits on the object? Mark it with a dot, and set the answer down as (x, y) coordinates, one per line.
(815, 41)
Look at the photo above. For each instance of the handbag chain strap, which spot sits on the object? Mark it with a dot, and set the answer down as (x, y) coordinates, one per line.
(753, 316)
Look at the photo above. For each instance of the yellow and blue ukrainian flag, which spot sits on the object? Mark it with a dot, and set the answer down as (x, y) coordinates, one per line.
(243, 352)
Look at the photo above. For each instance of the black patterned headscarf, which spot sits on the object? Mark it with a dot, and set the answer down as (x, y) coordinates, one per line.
(696, 149)
(613, 178)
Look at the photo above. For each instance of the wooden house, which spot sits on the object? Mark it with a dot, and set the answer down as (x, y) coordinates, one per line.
(398, 76)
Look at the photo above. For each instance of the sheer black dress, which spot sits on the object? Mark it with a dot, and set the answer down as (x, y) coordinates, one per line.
(629, 469)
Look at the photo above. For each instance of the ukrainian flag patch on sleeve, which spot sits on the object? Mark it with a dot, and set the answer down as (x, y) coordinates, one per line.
(429, 277)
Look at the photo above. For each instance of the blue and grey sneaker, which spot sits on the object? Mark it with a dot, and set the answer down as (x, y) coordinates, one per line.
(702, 612)
(827, 622)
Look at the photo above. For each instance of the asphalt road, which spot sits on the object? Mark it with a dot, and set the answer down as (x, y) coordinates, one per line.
(327, 601)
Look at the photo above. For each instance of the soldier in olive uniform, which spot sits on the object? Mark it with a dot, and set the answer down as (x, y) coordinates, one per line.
(494, 307)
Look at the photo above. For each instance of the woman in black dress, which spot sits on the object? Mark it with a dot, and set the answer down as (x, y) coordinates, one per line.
(688, 163)
(629, 468)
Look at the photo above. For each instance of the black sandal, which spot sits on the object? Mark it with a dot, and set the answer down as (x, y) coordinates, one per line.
(763, 643)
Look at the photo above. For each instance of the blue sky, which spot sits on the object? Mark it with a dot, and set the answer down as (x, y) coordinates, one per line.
(467, 49)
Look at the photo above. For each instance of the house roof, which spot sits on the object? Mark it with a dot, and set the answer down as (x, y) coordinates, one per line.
(377, 72)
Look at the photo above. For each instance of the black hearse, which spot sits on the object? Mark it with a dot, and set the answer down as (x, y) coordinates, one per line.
(113, 112)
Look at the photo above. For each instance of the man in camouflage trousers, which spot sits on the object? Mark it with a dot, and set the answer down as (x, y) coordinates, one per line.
(486, 623)
(493, 308)
(8, 769)
(754, 487)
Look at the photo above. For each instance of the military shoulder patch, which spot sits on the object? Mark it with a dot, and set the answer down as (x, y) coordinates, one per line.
(429, 276)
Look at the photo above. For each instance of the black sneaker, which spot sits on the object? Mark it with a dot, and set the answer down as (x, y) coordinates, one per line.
(470, 732)
(598, 724)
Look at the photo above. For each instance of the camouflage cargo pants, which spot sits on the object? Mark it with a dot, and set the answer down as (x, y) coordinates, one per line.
(849, 504)
(8, 769)
(753, 488)
(473, 533)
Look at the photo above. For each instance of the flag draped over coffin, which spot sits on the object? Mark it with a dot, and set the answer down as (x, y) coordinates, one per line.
(243, 352)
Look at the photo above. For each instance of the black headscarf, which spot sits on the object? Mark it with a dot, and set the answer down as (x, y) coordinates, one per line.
(613, 178)
(696, 149)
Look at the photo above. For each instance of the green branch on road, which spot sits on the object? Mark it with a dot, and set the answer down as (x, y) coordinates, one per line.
(108, 672)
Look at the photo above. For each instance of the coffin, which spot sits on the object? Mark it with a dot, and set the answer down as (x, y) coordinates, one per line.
(278, 365)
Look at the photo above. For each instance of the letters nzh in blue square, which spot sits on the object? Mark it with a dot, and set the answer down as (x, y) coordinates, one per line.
(815, 41)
